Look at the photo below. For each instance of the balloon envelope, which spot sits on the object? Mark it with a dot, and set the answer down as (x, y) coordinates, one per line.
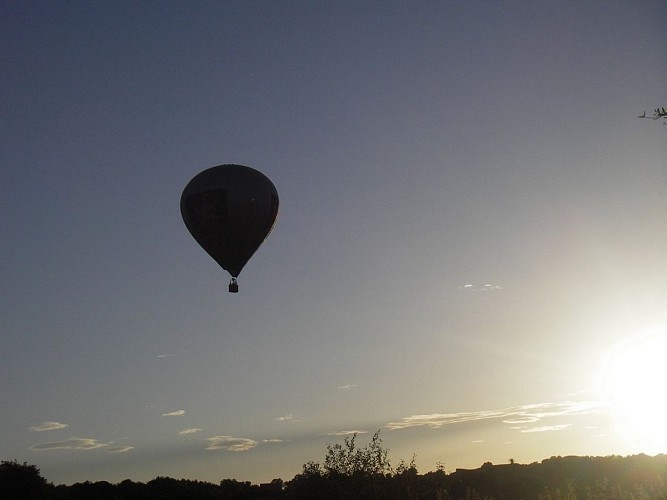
(230, 210)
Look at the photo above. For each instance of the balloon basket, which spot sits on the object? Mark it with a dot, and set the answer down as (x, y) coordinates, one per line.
(233, 286)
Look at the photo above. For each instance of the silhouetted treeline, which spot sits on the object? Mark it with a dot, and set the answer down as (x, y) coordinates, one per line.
(350, 473)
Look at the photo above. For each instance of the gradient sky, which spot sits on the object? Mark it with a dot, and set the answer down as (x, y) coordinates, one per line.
(470, 253)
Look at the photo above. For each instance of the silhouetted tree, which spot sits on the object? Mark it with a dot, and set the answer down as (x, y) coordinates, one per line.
(22, 481)
(351, 472)
(348, 460)
(657, 114)
(129, 489)
(231, 488)
(100, 490)
(365, 474)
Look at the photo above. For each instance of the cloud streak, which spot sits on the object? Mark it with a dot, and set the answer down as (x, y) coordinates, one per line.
(285, 418)
(487, 287)
(546, 428)
(192, 430)
(344, 433)
(176, 413)
(346, 387)
(516, 415)
(230, 443)
(119, 449)
(73, 443)
(47, 426)
(236, 444)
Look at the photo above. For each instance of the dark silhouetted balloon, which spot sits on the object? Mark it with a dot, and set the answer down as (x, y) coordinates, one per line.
(230, 210)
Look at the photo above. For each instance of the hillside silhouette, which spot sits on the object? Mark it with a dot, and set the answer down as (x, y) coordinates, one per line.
(350, 472)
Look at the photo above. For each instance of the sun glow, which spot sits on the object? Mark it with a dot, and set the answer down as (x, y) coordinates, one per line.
(634, 382)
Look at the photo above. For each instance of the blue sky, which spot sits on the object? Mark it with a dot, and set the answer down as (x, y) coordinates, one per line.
(470, 249)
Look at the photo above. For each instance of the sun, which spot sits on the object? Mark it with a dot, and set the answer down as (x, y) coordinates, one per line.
(634, 382)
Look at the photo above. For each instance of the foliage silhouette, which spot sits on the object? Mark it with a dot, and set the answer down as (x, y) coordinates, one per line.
(349, 472)
(366, 474)
(657, 114)
(22, 481)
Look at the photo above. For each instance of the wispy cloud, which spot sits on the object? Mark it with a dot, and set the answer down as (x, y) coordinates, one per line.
(47, 426)
(176, 413)
(487, 287)
(119, 449)
(164, 355)
(514, 415)
(73, 443)
(546, 428)
(192, 430)
(346, 387)
(344, 433)
(230, 443)
(285, 418)
(519, 421)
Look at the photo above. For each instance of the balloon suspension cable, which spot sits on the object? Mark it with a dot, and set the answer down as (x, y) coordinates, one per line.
(233, 286)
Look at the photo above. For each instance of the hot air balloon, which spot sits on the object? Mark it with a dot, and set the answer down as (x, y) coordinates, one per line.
(230, 210)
